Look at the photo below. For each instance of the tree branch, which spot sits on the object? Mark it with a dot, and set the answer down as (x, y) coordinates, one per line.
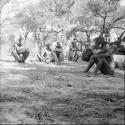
(118, 19)
(104, 21)
(117, 27)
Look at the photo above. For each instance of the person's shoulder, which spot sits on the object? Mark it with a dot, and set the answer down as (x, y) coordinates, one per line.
(109, 51)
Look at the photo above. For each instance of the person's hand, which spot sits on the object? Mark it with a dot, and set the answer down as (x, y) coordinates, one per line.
(96, 52)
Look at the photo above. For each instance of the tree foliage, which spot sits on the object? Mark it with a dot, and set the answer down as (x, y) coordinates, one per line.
(61, 19)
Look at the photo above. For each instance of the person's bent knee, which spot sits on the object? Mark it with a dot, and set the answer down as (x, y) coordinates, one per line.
(93, 57)
(101, 59)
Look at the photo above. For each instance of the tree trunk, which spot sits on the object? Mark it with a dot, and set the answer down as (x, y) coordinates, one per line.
(2, 4)
(39, 49)
(88, 37)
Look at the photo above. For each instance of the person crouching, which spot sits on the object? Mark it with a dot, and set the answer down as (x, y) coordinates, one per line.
(104, 61)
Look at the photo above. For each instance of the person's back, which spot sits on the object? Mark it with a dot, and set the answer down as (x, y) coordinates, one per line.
(108, 68)
(58, 50)
(109, 65)
(58, 53)
(72, 51)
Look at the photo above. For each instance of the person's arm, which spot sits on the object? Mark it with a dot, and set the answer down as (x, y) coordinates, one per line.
(41, 58)
(15, 46)
(100, 51)
(74, 49)
(58, 50)
(44, 54)
(108, 53)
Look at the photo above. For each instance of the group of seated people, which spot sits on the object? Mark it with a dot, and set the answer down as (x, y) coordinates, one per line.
(103, 57)
(21, 53)
(52, 55)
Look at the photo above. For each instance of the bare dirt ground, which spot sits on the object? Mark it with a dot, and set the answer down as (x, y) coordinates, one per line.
(50, 94)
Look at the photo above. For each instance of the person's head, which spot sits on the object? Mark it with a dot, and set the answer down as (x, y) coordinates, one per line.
(73, 42)
(58, 45)
(40, 29)
(106, 46)
(86, 46)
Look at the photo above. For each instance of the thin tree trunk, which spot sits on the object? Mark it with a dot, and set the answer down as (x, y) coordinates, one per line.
(39, 49)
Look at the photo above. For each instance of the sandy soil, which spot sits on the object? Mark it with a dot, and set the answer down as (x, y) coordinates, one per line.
(40, 93)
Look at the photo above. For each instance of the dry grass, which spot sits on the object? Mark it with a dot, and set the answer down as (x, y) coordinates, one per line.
(41, 93)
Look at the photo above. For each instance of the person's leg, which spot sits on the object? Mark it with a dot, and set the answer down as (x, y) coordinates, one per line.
(61, 57)
(58, 58)
(41, 58)
(105, 67)
(55, 58)
(92, 61)
(69, 56)
(76, 57)
(21, 58)
(99, 65)
(25, 55)
(108, 68)
(52, 60)
(15, 55)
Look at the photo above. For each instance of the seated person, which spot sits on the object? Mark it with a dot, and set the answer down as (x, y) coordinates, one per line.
(53, 56)
(48, 54)
(104, 61)
(73, 51)
(58, 53)
(20, 53)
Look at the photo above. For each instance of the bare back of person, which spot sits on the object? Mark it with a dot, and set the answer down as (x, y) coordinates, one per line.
(107, 66)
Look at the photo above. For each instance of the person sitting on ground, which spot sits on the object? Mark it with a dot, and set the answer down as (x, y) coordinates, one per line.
(48, 54)
(20, 53)
(58, 53)
(73, 50)
(104, 61)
